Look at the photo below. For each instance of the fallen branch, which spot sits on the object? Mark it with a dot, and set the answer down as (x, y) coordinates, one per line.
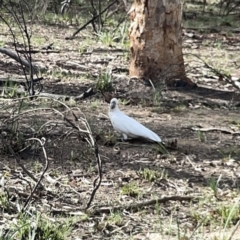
(132, 207)
(18, 58)
(19, 81)
(218, 73)
(136, 206)
(89, 92)
(38, 51)
(212, 129)
(20, 90)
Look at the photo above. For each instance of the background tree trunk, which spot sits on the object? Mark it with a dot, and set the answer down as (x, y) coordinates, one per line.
(156, 40)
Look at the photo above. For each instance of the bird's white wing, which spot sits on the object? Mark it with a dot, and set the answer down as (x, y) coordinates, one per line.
(129, 126)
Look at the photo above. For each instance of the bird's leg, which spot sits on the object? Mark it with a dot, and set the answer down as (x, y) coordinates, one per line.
(124, 138)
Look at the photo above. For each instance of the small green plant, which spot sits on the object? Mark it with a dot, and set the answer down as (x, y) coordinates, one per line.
(157, 97)
(201, 218)
(123, 101)
(115, 219)
(206, 43)
(4, 197)
(224, 72)
(201, 136)
(213, 183)
(72, 156)
(147, 174)
(163, 174)
(218, 44)
(56, 74)
(160, 223)
(38, 41)
(38, 228)
(160, 148)
(9, 90)
(229, 152)
(91, 168)
(72, 103)
(131, 189)
(122, 34)
(52, 19)
(94, 104)
(107, 38)
(180, 108)
(236, 123)
(109, 136)
(104, 81)
(228, 214)
(37, 166)
(2, 43)
(152, 175)
(82, 48)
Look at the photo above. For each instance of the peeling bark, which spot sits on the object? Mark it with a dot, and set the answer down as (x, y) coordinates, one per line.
(156, 40)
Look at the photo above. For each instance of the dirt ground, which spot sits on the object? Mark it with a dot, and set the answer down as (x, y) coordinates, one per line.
(200, 127)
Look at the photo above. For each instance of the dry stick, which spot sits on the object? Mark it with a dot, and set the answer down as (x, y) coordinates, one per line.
(24, 33)
(234, 230)
(216, 71)
(20, 164)
(98, 180)
(92, 143)
(94, 14)
(197, 227)
(90, 21)
(212, 129)
(83, 95)
(32, 70)
(13, 13)
(42, 143)
(136, 206)
(16, 57)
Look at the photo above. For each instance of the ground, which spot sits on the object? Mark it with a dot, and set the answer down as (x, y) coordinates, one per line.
(188, 190)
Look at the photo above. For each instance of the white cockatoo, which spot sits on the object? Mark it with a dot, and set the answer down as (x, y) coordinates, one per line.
(128, 126)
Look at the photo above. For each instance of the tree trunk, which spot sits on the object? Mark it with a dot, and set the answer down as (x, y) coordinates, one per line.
(156, 40)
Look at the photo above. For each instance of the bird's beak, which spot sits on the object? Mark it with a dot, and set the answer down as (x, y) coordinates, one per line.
(113, 105)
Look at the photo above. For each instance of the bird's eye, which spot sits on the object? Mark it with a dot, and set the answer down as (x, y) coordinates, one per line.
(113, 105)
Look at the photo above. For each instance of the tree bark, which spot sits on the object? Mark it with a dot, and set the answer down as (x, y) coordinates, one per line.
(156, 40)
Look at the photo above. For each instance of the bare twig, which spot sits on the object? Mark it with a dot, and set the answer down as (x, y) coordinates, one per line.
(19, 17)
(225, 76)
(90, 21)
(19, 162)
(92, 143)
(97, 180)
(234, 230)
(42, 143)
